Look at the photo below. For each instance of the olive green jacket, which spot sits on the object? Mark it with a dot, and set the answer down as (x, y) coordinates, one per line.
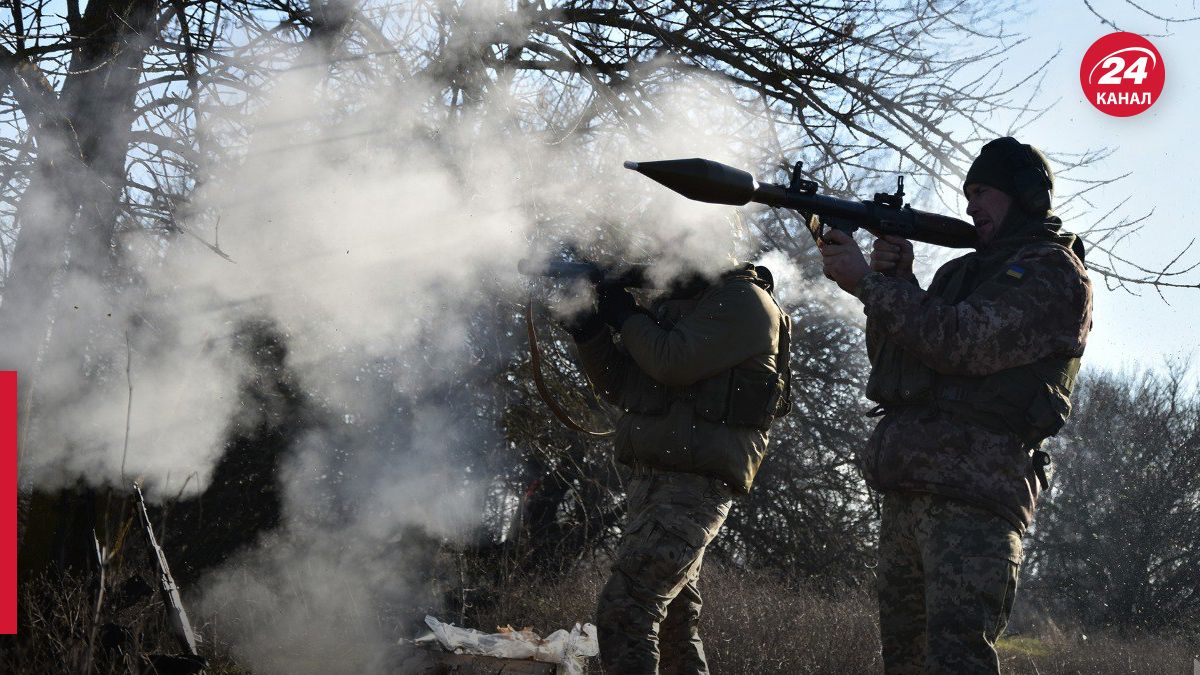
(673, 375)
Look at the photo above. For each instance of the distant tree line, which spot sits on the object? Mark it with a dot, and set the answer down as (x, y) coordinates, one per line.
(1117, 542)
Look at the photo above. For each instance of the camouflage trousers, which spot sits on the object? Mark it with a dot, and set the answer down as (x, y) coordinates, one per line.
(947, 580)
(652, 600)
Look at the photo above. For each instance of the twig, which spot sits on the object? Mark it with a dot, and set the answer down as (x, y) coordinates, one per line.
(128, 403)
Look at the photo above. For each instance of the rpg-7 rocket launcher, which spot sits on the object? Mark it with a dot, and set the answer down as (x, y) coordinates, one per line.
(628, 276)
(715, 183)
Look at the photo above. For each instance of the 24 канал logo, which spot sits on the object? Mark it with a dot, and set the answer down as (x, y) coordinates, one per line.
(1122, 74)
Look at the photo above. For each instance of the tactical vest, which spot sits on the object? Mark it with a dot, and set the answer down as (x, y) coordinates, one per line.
(1032, 401)
(738, 397)
(744, 397)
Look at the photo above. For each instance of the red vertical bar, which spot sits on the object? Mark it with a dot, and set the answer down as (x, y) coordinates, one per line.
(8, 502)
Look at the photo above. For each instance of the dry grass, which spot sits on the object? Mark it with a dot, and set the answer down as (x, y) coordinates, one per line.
(1100, 654)
(753, 623)
(756, 623)
(60, 631)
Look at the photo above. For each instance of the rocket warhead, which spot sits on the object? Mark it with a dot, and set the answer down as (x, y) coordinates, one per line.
(700, 179)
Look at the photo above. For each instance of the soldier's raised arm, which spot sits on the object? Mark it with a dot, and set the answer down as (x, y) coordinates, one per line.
(614, 375)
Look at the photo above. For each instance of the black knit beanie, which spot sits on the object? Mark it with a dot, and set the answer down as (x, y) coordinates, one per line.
(1000, 162)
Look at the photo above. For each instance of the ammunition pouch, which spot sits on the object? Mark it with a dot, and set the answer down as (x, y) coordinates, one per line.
(1031, 402)
(755, 398)
(897, 377)
(740, 397)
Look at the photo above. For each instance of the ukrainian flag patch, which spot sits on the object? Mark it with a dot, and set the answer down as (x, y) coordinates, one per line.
(1015, 271)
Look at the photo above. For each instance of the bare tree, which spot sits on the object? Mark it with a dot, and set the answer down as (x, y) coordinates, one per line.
(1118, 542)
(102, 116)
(114, 116)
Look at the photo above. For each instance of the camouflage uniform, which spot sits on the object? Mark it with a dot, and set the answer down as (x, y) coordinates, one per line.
(693, 442)
(947, 578)
(653, 595)
(1006, 325)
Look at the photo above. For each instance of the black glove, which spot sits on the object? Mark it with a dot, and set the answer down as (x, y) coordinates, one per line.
(583, 325)
(616, 304)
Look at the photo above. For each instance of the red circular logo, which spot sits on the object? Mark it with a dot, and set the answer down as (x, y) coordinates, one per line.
(1122, 74)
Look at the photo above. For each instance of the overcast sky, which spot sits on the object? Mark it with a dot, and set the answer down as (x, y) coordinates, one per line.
(1158, 147)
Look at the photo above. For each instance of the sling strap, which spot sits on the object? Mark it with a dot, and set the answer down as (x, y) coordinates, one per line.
(535, 359)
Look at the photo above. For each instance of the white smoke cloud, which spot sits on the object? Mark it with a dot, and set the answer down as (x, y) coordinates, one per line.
(372, 228)
(377, 252)
(163, 389)
(793, 288)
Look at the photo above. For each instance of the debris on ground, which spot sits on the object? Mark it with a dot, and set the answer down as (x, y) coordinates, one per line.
(567, 650)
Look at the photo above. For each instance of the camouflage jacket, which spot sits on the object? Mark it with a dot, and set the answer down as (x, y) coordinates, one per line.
(1029, 304)
(674, 374)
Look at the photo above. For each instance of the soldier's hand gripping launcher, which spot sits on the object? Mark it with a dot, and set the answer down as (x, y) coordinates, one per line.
(708, 181)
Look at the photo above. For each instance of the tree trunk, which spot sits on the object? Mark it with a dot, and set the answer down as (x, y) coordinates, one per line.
(63, 257)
